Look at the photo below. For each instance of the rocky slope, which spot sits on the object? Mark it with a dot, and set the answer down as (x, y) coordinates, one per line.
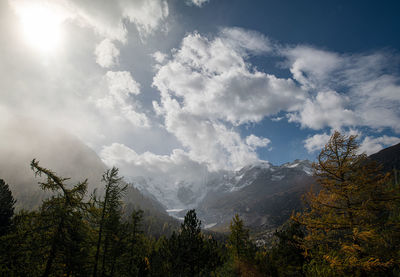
(388, 157)
(263, 195)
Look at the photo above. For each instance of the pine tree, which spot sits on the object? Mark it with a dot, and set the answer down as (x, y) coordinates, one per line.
(352, 222)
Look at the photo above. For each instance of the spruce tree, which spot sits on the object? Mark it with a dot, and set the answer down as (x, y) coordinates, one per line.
(7, 203)
(191, 245)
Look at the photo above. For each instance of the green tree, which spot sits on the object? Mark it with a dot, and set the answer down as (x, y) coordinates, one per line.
(22, 250)
(239, 239)
(61, 224)
(7, 203)
(109, 222)
(353, 221)
(191, 245)
(285, 256)
(187, 253)
(242, 250)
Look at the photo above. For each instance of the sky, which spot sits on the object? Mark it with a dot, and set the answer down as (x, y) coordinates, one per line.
(184, 86)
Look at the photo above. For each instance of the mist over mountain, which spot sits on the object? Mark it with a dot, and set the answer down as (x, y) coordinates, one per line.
(25, 139)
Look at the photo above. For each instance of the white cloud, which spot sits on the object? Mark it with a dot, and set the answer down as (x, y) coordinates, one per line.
(326, 109)
(208, 141)
(351, 90)
(255, 142)
(246, 41)
(119, 100)
(371, 145)
(121, 84)
(159, 57)
(105, 17)
(162, 175)
(148, 15)
(311, 67)
(215, 81)
(208, 86)
(316, 142)
(198, 3)
(150, 164)
(106, 54)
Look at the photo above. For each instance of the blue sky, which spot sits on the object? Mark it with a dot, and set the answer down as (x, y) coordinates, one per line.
(338, 26)
(156, 86)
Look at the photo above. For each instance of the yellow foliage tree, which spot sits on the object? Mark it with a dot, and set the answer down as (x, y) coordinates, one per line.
(352, 223)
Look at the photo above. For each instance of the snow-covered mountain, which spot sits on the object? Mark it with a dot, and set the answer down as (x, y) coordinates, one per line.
(218, 196)
(263, 194)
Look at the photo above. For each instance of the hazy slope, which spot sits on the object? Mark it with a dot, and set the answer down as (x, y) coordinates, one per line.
(24, 139)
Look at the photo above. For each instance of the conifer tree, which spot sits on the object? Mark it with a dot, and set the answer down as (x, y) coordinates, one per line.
(239, 238)
(352, 222)
(110, 216)
(61, 218)
(7, 203)
(191, 245)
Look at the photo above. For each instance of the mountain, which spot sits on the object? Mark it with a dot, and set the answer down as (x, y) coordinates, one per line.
(388, 157)
(24, 139)
(264, 195)
(156, 221)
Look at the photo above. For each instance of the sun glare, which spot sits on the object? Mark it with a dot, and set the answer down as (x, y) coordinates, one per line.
(41, 27)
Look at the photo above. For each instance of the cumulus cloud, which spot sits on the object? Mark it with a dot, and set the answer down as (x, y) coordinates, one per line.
(146, 14)
(371, 145)
(159, 57)
(208, 87)
(198, 3)
(162, 175)
(214, 80)
(106, 53)
(119, 100)
(316, 142)
(208, 141)
(346, 90)
(326, 109)
(150, 164)
(255, 142)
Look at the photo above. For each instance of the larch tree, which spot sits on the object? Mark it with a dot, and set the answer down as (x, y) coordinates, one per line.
(61, 215)
(109, 221)
(352, 222)
(239, 238)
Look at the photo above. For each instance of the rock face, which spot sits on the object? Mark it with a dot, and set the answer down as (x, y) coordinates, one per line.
(388, 157)
(263, 195)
